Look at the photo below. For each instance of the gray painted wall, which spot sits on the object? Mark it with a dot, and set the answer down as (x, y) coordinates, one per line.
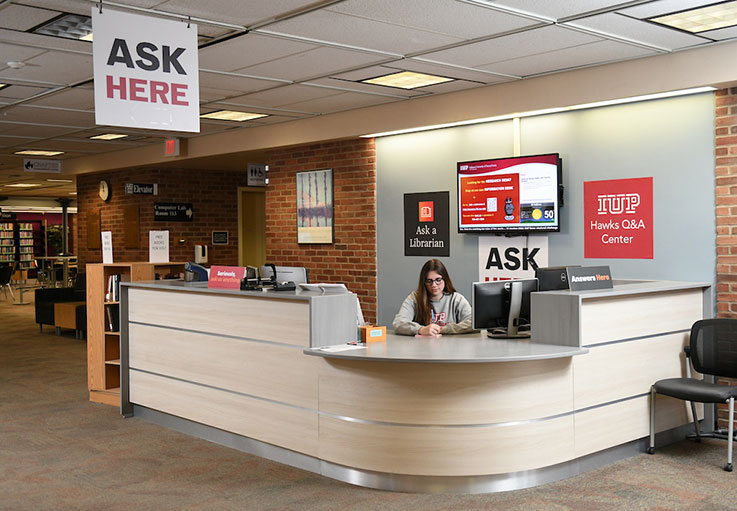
(671, 140)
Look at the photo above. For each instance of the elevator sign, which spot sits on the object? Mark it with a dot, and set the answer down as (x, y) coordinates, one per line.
(146, 72)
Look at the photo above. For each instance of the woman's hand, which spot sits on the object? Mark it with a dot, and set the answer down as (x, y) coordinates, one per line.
(431, 329)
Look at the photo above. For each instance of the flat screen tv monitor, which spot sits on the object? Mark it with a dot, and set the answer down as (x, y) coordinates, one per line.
(502, 308)
(510, 195)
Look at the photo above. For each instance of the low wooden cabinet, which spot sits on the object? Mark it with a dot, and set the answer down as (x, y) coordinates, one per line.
(103, 335)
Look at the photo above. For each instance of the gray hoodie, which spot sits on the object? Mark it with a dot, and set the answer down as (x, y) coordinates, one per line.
(452, 312)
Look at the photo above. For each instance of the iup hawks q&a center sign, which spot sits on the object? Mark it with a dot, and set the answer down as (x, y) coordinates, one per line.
(146, 72)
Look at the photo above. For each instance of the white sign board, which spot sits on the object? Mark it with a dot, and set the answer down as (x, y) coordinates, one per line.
(158, 246)
(30, 165)
(146, 72)
(256, 174)
(107, 247)
(503, 258)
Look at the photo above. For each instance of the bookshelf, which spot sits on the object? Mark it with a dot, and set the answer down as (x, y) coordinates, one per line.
(103, 342)
(7, 242)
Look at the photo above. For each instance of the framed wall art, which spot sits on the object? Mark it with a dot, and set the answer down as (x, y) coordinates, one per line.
(315, 206)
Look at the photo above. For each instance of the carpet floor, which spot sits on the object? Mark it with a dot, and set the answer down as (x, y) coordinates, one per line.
(60, 451)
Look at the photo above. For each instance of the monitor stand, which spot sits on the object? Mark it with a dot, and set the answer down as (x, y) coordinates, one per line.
(515, 305)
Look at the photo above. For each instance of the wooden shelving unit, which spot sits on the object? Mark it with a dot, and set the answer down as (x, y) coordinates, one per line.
(7, 242)
(103, 344)
(26, 245)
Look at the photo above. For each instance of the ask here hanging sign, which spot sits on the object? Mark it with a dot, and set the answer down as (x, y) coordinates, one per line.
(146, 71)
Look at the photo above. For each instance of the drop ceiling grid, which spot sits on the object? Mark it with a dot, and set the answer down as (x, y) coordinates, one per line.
(316, 62)
(450, 18)
(340, 102)
(661, 7)
(15, 92)
(568, 58)
(636, 30)
(59, 67)
(35, 132)
(248, 50)
(82, 120)
(559, 9)
(361, 33)
(233, 11)
(368, 87)
(76, 98)
(21, 17)
(45, 41)
(417, 65)
(514, 46)
(240, 84)
(283, 95)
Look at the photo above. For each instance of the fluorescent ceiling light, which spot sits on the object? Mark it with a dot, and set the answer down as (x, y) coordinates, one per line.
(546, 111)
(231, 115)
(34, 152)
(60, 180)
(711, 17)
(22, 185)
(3, 85)
(108, 136)
(72, 193)
(407, 80)
(69, 26)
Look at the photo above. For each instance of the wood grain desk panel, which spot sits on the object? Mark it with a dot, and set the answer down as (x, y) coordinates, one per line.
(286, 321)
(619, 423)
(624, 317)
(446, 393)
(281, 373)
(615, 371)
(286, 426)
(443, 451)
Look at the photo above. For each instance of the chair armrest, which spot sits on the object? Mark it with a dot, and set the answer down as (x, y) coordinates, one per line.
(687, 351)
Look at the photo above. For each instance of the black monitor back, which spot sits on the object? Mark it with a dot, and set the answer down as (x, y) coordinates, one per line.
(552, 278)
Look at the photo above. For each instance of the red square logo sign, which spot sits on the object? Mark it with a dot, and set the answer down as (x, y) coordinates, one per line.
(618, 218)
(427, 211)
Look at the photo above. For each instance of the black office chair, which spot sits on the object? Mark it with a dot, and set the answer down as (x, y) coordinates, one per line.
(713, 351)
(6, 273)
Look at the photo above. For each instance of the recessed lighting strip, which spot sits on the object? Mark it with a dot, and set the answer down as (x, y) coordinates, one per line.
(533, 113)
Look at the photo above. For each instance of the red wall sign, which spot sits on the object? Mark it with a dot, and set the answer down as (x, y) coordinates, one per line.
(618, 218)
(226, 277)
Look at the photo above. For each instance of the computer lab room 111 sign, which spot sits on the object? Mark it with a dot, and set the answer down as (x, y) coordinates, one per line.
(146, 71)
(618, 218)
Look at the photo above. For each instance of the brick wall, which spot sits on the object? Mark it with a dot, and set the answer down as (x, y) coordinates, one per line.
(214, 196)
(351, 259)
(726, 212)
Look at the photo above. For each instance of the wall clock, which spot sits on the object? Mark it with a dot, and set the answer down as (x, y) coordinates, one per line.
(104, 190)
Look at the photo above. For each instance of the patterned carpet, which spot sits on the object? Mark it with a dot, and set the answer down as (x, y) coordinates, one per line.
(59, 451)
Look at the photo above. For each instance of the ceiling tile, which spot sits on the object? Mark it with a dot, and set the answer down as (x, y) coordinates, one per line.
(361, 33)
(721, 34)
(317, 62)
(62, 68)
(233, 11)
(76, 98)
(85, 7)
(248, 50)
(44, 41)
(639, 31)
(340, 102)
(25, 113)
(557, 9)
(533, 42)
(16, 92)
(235, 83)
(419, 66)
(567, 58)
(449, 18)
(368, 88)
(22, 17)
(661, 7)
(14, 52)
(36, 131)
(283, 95)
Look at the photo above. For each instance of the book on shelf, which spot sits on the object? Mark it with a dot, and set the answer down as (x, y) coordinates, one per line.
(113, 319)
(113, 288)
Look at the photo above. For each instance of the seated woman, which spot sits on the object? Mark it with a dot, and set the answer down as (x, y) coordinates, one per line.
(434, 307)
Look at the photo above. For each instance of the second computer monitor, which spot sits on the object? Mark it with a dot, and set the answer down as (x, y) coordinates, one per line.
(503, 307)
(296, 274)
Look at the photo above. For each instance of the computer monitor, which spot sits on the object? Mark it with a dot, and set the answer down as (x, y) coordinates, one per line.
(552, 278)
(296, 274)
(503, 307)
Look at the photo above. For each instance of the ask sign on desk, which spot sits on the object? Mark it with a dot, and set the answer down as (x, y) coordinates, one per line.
(146, 71)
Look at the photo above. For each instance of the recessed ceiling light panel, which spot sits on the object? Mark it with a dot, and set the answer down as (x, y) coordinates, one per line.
(108, 136)
(69, 26)
(710, 17)
(231, 115)
(22, 185)
(407, 80)
(34, 152)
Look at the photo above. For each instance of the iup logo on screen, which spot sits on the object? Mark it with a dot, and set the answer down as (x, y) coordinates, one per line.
(427, 211)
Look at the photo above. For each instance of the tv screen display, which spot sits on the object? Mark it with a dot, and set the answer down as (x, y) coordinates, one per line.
(504, 195)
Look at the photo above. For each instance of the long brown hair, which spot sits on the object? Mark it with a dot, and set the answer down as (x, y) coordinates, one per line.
(423, 315)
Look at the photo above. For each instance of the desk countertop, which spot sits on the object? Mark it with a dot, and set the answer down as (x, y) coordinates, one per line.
(467, 348)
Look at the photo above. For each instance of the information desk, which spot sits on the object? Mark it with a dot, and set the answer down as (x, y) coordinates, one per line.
(451, 414)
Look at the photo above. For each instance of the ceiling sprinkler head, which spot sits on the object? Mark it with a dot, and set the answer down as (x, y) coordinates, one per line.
(16, 64)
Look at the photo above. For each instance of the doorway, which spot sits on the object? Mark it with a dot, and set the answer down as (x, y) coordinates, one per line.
(251, 226)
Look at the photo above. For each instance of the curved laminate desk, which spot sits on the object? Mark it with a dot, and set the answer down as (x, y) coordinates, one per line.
(262, 372)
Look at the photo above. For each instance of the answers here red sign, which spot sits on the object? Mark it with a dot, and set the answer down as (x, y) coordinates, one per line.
(618, 218)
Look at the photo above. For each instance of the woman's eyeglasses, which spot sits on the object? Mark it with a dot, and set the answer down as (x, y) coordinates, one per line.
(437, 281)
